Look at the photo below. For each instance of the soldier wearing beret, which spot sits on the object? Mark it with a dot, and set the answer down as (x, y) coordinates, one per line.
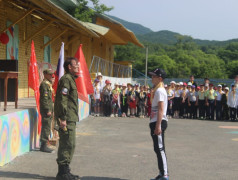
(46, 109)
(66, 115)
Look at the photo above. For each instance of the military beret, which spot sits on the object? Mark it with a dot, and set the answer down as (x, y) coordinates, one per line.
(48, 71)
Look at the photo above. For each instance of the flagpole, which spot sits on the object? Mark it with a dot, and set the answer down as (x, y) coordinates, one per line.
(146, 62)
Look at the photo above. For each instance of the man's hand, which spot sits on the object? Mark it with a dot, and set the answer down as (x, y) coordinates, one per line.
(157, 131)
(63, 124)
(49, 114)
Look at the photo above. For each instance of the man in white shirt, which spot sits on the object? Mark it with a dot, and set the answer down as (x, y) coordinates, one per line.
(158, 121)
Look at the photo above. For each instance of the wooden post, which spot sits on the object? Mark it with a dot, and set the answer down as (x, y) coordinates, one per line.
(42, 47)
(39, 31)
(21, 18)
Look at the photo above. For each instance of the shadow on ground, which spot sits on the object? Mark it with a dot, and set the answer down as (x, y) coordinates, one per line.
(99, 178)
(19, 175)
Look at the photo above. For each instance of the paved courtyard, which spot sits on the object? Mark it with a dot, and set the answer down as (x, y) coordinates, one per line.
(121, 149)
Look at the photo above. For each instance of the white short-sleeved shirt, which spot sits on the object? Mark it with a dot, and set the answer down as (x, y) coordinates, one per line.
(171, 93)
(97, 92)
(159, 96)
(219, 95)
(177, 93)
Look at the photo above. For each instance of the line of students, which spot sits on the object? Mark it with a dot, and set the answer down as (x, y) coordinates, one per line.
(124, 100)
(203, 102)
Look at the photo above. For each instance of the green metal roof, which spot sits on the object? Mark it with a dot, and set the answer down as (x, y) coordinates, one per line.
(65, 4)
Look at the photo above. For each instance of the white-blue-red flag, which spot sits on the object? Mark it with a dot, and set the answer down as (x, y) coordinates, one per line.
(60, 68)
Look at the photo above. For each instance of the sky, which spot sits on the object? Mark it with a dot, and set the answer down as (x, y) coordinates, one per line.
(202, 19)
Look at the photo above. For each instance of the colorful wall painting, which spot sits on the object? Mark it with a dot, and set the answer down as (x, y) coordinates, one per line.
(13, 44)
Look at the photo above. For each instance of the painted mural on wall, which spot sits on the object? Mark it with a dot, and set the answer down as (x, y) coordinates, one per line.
(14, 135)
(18, 132)
(13, 44)
(83, 110)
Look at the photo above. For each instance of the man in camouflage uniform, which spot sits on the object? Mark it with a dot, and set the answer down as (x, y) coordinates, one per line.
(46, 109)
(66, 115)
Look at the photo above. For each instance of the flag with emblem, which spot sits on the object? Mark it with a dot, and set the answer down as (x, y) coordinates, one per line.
(33, 82)
(11, 30)
(83, 82)
(60, 68)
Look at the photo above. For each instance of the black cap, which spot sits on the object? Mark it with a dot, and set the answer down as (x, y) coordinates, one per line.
(158, 72)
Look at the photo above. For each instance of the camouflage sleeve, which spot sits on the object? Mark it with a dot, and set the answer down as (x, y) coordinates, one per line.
(64, 89)
(44, 97)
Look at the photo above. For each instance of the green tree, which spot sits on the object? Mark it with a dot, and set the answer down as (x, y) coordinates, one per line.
(84, 13)
(232, 68)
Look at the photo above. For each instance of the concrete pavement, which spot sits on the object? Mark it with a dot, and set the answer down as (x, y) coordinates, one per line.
(121, 149)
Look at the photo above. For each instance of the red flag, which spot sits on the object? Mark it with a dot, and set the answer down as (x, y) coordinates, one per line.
(33, 82)
(83, 82)
(87, 79)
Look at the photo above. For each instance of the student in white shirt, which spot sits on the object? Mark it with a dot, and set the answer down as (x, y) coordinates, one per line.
(176, 105)
(158, 121)
(97, 97)
(218, 104)
(232, 102)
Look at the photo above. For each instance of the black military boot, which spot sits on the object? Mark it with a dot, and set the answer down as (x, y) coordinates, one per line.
(45, 148)
(72, 175)
(63, 173)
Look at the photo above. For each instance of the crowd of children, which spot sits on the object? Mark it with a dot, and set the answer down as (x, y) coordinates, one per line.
(125, 100)
(185, 100)
(206, 101)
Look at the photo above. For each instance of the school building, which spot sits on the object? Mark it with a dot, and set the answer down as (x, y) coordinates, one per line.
(47, 23)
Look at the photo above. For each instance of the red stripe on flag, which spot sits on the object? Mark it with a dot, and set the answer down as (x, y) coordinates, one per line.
(83, 82)
(33, 82)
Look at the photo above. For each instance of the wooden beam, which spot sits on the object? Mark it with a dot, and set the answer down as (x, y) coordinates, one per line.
(43, 27)
(21, 18)
(68, 42)
(52, 40)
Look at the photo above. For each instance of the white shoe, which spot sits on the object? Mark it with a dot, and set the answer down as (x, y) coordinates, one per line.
(112, 115)
(116, 115)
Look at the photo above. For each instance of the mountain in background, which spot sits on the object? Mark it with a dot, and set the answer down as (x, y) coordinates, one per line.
(137, 29)
(145, 35)
(161, 37)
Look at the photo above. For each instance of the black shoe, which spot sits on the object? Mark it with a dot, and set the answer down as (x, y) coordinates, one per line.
(158, 177)
(63, 173)
(45, 148)
(72, 175)
(64, 177)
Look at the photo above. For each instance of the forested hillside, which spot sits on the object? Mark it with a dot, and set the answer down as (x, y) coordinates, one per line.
(184, 58)
(182, 55)
(134, 27)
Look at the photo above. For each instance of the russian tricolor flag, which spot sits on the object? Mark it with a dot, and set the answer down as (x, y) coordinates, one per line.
(60, 68)
(11, 30)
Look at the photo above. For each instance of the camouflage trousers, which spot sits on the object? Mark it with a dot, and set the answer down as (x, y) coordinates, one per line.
(66, 144)
(46, 128)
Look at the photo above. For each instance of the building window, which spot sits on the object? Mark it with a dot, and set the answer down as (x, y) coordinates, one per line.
(47, 50)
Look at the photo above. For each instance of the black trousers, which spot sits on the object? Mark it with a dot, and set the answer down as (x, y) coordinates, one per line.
(211, 107)
(124, 108)
(141, 108)
(233, 113)
(183, 109)
(170, 111)
(193, 110)
(107, 108)
(159, 146)
(201, 105)
(218, 110)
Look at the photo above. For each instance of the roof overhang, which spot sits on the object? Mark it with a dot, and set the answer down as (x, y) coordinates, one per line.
(125, 34)
(107, 33)
(48, 11)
